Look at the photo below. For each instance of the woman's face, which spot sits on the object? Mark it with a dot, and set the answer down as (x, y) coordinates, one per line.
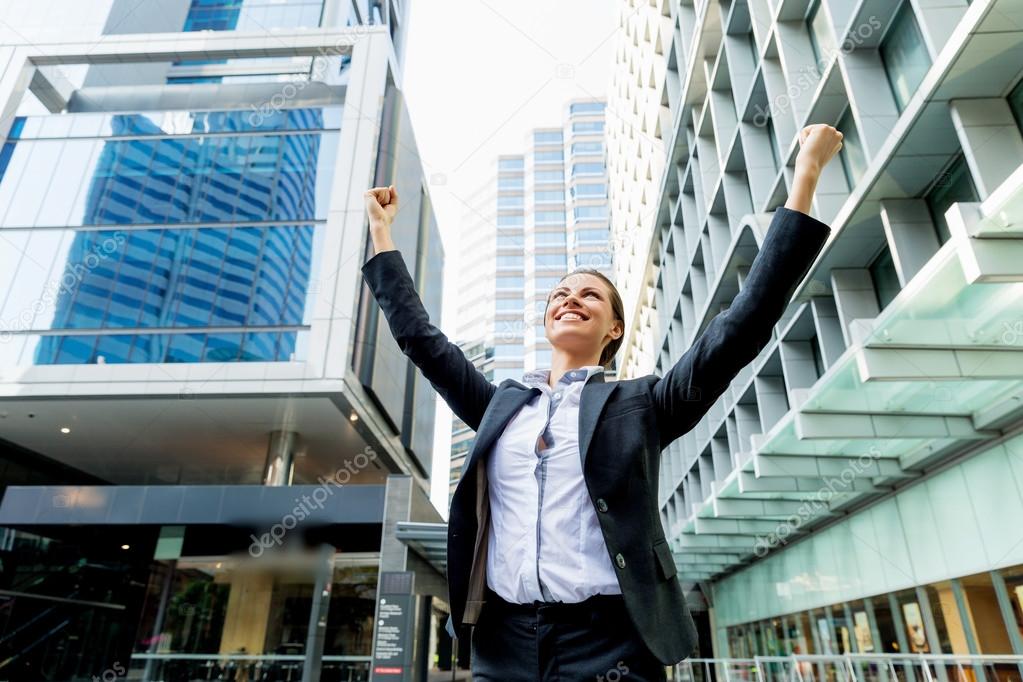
(579, 315)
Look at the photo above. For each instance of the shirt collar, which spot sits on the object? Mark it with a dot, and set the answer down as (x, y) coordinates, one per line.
(539, 377)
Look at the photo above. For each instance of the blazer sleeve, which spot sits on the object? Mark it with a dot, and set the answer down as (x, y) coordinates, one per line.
(737, 335)
(463, 387)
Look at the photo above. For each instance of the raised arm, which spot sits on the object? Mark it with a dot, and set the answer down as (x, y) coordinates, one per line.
(456, 380)
(735, 336)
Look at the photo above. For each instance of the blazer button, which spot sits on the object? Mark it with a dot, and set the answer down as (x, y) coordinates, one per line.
(620, 560)
(601, 504)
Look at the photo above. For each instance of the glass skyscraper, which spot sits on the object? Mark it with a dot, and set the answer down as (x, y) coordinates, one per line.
(205, 427)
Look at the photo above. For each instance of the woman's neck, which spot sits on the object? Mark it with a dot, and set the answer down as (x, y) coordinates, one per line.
(564, 362)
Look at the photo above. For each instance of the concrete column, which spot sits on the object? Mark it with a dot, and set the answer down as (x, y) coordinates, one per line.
(829, 329)
(990, 138)
(854, 298)
(938, 19)
(911, 236)
(280, 458)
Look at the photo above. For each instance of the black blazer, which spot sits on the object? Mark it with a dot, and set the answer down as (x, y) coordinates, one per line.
(623, 425)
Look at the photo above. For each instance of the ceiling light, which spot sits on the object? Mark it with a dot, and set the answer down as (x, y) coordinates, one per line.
(65, 429)
(125, 546)
(354, 417)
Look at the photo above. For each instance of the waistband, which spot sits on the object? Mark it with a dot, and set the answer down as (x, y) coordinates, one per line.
(555, 610)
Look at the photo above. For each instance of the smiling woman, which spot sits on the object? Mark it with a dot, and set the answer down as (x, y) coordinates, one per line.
(556, 555)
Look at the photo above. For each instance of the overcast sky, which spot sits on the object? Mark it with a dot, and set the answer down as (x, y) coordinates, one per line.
(479, 74)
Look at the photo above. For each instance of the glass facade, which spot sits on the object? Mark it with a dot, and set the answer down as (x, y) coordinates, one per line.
(904, 55)
(854, 161)
(162, 237)
(252, 15)
(822, 38)
(953, 185)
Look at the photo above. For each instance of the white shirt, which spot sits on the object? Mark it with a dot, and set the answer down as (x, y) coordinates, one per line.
(545, 543)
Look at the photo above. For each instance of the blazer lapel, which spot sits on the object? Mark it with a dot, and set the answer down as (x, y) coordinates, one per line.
(591, 404)
(502, 408)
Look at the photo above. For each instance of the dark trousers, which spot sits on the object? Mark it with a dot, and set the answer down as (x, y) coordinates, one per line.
(591, 640)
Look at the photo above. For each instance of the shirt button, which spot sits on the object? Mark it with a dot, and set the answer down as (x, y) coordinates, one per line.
(601, 504)
(620, 560)
(557, 395)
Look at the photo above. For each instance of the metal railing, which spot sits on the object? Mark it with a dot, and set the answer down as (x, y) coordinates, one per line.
(246, 667)
(853, 668)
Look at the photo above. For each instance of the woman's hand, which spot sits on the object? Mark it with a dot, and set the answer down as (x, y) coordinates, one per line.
(382, 206)
(818, 144)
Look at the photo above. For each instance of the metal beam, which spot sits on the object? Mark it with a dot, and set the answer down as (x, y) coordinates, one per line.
(688, 542)
(748, 527)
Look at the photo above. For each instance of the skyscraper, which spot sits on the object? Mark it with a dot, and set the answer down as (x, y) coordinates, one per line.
(208, 433)
(540, 215)
(856, 489)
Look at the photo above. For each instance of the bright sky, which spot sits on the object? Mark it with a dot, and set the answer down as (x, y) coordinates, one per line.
(479, 74)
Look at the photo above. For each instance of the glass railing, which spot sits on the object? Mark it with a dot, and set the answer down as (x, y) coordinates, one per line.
(853, 668)
(247, 667)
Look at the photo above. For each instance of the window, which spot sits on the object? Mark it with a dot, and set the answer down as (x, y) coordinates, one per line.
(546, 283)
(515, 163)
(509, 304)
(587, 169)
(587, 147)
(515, 201)
(550, 238)
(548, 156)
(586, 108)
(510, 283)
(886, 280)
(904, 56)
(549, 217)
(510, 239)
(589, 190)
(550, 260)
(953, 185)
(513, 261)
(822, 39)
(549, 176)
(588, 127)
(507, 350)
(1016, 104)
(601, 235)
(818, 359)
(510, 220)
(544, 357)
(772, 139)
(854, 161)
(582, 212)
(547, 137)
(552, 195)
(510, 183)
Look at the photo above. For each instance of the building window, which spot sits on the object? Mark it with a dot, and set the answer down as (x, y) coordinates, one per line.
(510, 183)
(884, 277)
(547, 196)
(515, 164)
(549, 176)
(588, 127)
(587, 169)
(772, 140)
(510, 283)
(510, 220)
(591, 212)
(955, 184)
(1016, 104)
(549, 238)
(822, 39)
(508, 350)
(586, 108)
(511, 201)
(854, 161)
(549, 217)
(549, 156)
(904, 56)
(589, 190)
(547, 137)
(587, 147)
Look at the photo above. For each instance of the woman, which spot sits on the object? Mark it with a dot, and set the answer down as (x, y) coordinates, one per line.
(556, 554)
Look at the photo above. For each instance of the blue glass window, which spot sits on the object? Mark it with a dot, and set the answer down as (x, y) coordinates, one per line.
(547, 137)
(550, 260)
(548, 156)
(589, 190)
(586, 107)
(588, 127)
(550, 195)
(510, 220)
(549, 176)
(583, 212)
(550, 238)
(587, 147)
(516, 163)
(587, 169)
(549, 217)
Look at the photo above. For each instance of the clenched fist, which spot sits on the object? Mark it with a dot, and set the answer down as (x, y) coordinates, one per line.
(818, 144)
(382, 206)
